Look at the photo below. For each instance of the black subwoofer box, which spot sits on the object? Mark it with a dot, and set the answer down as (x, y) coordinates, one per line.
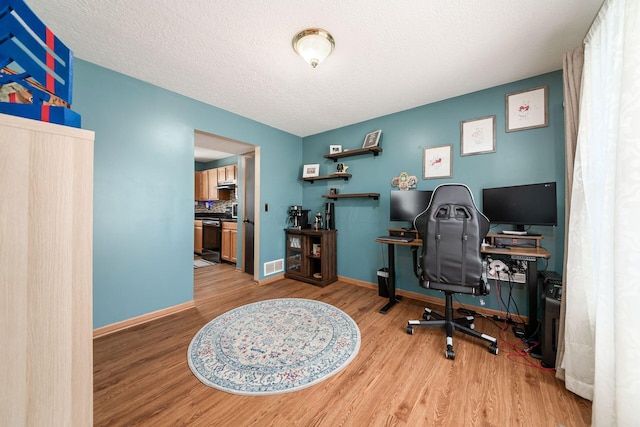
(550, 323)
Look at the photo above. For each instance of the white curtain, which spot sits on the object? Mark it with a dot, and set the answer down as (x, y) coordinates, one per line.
(602, 325)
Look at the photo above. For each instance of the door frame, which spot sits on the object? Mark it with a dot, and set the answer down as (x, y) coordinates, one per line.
(256, 211)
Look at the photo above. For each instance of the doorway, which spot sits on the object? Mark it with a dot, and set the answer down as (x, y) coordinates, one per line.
(208, 150)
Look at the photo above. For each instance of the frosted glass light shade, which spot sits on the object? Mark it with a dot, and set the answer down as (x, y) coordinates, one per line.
(314, 45)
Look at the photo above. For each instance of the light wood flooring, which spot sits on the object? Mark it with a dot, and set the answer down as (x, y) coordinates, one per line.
(141, 376)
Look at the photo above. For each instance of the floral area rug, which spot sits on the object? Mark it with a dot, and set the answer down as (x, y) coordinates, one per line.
(273, 346)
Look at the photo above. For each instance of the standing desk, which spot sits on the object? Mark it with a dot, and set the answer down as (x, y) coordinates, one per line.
(528, 254)
(391, 247)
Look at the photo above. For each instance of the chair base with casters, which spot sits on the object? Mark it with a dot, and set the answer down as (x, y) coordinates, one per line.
(449, 323)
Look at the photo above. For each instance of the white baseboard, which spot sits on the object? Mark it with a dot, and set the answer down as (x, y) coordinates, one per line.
(429, 300)
(135, 321)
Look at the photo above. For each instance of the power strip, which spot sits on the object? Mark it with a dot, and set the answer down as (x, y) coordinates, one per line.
(503, 276)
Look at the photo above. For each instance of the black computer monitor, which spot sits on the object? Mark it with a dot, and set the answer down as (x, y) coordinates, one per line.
(521, 205)
(405, 205)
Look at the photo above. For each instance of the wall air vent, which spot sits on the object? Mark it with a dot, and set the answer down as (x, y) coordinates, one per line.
(273, 267)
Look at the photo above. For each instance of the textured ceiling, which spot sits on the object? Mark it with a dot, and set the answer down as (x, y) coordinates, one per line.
(389, 56)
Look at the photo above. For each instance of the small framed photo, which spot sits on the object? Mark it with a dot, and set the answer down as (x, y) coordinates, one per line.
(371, 140)
(527, 109)
(478, 136)
(437, 162)
(310, 171)
(335, 149)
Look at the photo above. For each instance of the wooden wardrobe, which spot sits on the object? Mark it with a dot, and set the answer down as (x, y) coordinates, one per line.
(46, 227)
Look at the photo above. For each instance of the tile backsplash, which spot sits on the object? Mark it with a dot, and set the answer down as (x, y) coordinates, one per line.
(217, 206)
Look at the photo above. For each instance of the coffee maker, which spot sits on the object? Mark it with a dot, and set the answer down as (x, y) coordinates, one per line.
(298, 217)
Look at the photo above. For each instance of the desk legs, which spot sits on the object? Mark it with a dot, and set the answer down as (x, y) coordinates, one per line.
(393, 299)
(532, 285)
(534, 294)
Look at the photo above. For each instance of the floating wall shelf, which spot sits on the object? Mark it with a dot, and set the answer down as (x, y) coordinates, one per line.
(373, 150)
(344, 176)
(374, 196)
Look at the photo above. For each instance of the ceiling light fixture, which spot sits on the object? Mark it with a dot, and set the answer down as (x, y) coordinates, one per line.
(314, 45)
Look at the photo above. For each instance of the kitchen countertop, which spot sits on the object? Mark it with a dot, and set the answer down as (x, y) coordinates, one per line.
(215, 215)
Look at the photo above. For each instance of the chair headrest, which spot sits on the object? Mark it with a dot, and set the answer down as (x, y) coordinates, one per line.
(451, 194)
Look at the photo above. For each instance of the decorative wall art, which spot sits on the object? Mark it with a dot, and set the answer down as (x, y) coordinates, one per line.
(310, 171)
(335, 149)
(437, 162)
(372, 139)
(527, 109)
(478, 136)
(404, 181)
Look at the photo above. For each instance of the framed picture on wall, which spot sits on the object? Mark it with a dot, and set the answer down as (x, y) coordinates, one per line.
(437, 162)
(372, 139)
(335, 149)
(310, 171)
(478, 136)
(527, 109)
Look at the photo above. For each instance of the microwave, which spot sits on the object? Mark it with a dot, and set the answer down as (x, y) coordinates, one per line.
(234, 210)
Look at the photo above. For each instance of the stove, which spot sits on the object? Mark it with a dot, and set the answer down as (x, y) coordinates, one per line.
(211, 238)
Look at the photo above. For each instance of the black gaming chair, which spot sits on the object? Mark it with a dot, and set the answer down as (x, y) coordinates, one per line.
(452, 230)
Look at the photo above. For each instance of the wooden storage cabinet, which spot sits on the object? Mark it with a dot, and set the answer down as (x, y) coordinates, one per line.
(302, 263)
(46, 223)
(229, 241)
(214, 193)
(206, 185)
(221, 174)
(227, 173)
(230, 173)
(202, 186)
(197, 236)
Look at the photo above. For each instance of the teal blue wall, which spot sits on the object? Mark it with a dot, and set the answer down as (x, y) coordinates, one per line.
(522, 157)
(143, 181)
(143, 188)
(231, 160)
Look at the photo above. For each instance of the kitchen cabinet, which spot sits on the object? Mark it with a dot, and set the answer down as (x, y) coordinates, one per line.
(231, 172)
(212, 189)
(207, 181)
(46, 253)
(197, 236)
(227, 173)
(201, 186)
(229, 241)
(222, 175)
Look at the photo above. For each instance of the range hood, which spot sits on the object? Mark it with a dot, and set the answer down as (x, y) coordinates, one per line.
(227, 185)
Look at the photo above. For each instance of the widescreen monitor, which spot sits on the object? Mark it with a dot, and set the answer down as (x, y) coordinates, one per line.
(521, 205)
(405, 205)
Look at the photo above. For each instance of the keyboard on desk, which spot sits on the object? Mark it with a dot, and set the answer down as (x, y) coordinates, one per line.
(403, 239)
